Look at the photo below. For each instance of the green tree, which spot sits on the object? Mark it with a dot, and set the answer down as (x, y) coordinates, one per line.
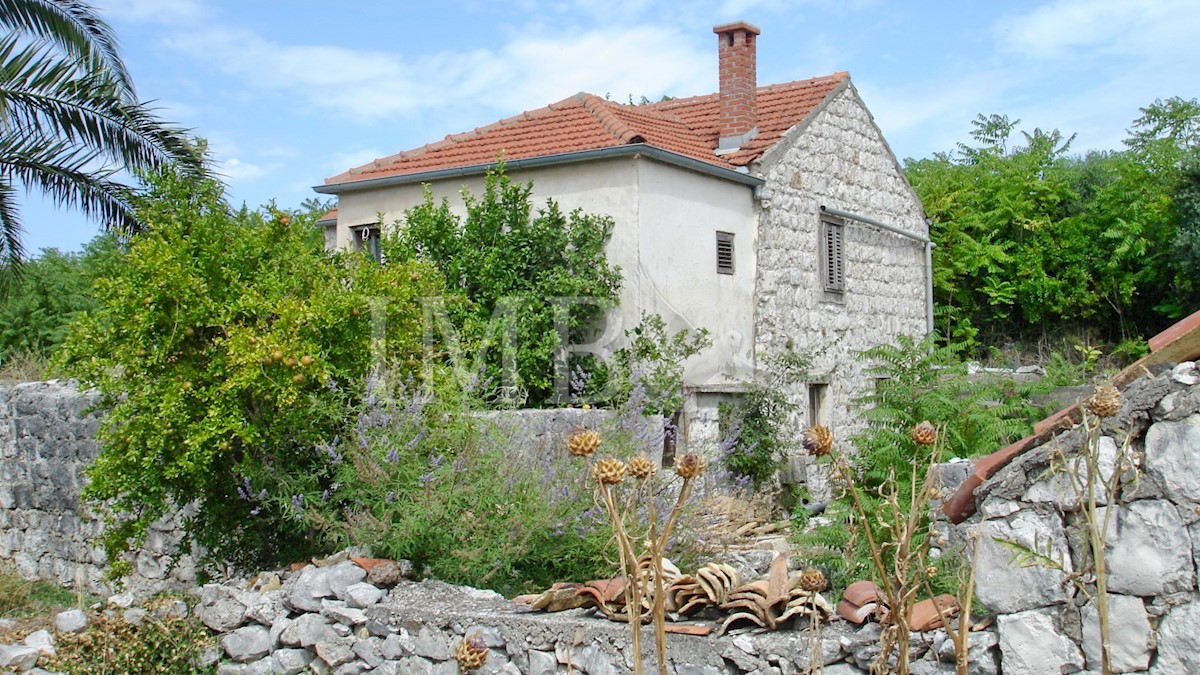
(1033, 241)
(71, 119)
(227, 347)
(524, 276)
(37, 308)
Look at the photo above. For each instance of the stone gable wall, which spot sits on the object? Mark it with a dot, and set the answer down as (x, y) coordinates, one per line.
(839, 159)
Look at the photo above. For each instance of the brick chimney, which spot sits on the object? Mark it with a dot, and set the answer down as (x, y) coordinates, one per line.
(736, 52)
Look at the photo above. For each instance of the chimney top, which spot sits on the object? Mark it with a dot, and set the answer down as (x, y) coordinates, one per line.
(736, 26)
(737, 60)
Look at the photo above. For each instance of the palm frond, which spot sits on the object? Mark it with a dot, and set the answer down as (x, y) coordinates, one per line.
(43, 94)
(63, 173)
(75, 28)
(11, 250)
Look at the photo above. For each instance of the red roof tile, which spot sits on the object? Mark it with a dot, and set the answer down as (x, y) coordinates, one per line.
(686, 126)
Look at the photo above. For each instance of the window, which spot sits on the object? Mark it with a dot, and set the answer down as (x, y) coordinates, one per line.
(724, 253)
(366, 238)
(833, 257)
(818, 404)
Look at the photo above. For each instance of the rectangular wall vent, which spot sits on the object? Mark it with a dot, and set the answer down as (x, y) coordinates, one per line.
(725, 253)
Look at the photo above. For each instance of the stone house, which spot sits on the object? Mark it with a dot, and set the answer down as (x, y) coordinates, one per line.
(776, 217)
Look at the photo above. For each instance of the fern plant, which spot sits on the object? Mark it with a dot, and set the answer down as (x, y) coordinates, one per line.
(919, 381)
(916, 381)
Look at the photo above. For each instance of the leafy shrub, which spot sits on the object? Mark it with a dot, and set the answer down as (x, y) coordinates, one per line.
(915, 382)
(755, 427)
(226, 346)
(38, 304)
(420, 476)
(524, 275)
(653, 361)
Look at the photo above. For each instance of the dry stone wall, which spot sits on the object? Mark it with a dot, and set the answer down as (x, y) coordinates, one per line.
(1048, 619)
(47, 440)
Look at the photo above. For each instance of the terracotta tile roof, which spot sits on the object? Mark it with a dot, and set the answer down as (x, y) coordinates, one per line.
(686, 126)
(329, 217)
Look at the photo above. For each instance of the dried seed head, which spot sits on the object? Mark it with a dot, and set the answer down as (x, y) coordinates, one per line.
(583, 443)
(1104, 402)
(471, 652)
(689, 466)
(640, 467)
(931, 571)
(609, 471)
(924, 433)
(813, 580)
(818, 440)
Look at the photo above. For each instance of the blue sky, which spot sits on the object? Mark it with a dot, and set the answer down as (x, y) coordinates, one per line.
(290, 92)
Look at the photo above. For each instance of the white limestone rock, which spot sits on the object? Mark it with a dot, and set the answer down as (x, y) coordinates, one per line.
(542, 663)
(307, 630)
(1006, 588)
(1186, 373)
(341, 613)
(1057, 488)
(70, 621)
(1129, 634)
(1173, 458)
(362, 595)
(342, 576)
(310, 587)
(335, 652)
(1148, 548)
(394, 647)
(42, 641)
(223, 614)
(292, 661)
(1032, 643)
(1179, 641)
(122, 600)
(431, 644)
(264, 608)
(18, 658)
(248, 643)
(368, 651)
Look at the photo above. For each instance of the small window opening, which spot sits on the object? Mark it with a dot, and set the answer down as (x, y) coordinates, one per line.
(833, 257)
(818, 404)
(367, 239)
(724, 253)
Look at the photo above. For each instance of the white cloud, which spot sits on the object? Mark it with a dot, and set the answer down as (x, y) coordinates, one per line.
(529, 72)
(155, 11)
(1065, 27)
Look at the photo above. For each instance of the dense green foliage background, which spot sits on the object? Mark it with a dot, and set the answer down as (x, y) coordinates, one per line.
(1034, 242)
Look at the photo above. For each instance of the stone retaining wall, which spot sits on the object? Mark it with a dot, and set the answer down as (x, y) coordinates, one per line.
(1047, 622)
(339, 619)
(47, 439)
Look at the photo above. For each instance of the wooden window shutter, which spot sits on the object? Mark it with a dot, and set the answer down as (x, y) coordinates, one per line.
(725, 253)
(833, 256)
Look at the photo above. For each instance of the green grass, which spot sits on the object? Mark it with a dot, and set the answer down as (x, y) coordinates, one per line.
(24, 599)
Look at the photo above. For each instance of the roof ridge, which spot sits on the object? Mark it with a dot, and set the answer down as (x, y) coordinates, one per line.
(684, 100)
(599, 108)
